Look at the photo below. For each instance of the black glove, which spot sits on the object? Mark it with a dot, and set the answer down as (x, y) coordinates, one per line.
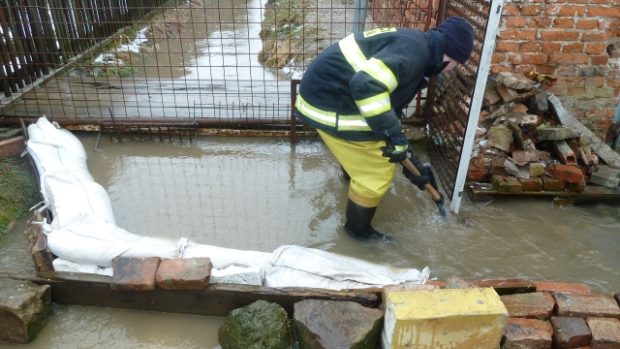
(424, 177)
(396, 148)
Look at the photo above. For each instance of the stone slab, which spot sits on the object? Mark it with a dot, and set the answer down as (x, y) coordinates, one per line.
(24, 308)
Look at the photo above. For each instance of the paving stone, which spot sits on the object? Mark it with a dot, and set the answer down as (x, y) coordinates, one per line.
(184, 273)
(136, 274)
(507, 286)
(601, 305)
(24, 308)
(527, 333)
(570, 332)
(552, 184)
(605, 333)
(568, 173)
(500, 137)
(564, 287)
(534, 305)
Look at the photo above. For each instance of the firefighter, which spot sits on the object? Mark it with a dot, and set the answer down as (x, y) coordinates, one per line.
(353, 93)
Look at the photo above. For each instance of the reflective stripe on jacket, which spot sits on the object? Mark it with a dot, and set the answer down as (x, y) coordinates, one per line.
(355, 88)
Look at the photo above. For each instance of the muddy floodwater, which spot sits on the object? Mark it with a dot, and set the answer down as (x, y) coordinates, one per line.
(260, 193)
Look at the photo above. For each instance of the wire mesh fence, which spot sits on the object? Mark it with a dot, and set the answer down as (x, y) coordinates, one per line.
(226, 60)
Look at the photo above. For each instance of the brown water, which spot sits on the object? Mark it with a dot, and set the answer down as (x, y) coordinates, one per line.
(254, 193)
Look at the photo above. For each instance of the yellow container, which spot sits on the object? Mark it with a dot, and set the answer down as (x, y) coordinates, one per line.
(442, 319)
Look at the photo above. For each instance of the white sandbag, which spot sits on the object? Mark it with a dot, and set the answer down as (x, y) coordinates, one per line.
(45, 132)
(237, 275)
(49, 158)
(287, 277)
(222, 257)
(63, 265)
(342, 268)
(80, 244)
(70, 198)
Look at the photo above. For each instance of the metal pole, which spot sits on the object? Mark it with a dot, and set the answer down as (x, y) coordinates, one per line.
(488, 47)
(359, 16)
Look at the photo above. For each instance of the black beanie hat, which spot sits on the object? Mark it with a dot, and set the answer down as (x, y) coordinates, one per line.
(459, 38)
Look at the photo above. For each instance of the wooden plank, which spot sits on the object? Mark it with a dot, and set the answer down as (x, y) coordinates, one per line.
(215, 300)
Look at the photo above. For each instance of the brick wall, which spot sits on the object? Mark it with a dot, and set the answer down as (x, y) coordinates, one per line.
(578, 41)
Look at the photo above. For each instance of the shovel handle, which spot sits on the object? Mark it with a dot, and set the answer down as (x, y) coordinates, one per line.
(429, 188)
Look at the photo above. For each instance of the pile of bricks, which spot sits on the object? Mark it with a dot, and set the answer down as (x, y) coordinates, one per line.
(545, 314)
(521, 146)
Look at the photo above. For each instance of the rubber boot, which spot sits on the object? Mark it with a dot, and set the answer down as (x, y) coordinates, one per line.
(358, 222)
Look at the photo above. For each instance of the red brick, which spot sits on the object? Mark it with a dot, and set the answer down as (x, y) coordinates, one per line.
(529, 47)
(563, 287)
(540, 22)
(599, 60)
(608, 12)
(506, 47)
(605, 333)
(571, 10)
(12, 147)
(587, 36)
(137, 274)
(518, 34)
(436, 283)
(570, 332)
(570, 174)
(534, 305)
(596, 48)
(507, 286)
(559, 35)
(564, 22)
(548, 47)
(184, 273)
(527, 333)
(506, 184)
(595, 305)
(573, 47)
(510, 10)
(531, 10)
(515, 22)
(584, 23)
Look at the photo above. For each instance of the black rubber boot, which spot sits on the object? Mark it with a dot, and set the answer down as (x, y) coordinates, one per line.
(358, 222)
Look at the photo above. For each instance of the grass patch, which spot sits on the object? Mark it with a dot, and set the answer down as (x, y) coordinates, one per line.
(18, 191)
(284, 32)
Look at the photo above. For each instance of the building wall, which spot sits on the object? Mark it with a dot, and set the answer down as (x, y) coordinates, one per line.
(577, 41)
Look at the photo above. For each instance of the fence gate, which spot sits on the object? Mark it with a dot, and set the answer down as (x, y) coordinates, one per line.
(456, 98)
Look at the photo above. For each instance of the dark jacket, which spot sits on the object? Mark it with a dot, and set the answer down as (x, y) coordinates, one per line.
(332, 85)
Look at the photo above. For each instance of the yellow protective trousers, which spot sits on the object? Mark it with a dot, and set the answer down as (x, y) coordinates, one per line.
(371, 173)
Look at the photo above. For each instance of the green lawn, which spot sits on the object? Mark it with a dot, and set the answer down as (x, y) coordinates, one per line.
(18, 191)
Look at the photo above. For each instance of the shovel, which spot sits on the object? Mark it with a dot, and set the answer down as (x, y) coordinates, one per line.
(430, 188)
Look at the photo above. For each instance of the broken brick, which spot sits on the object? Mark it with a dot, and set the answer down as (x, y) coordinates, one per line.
(570, 174)
(524, 156)
(564, 153)
(550, 183)
(563, 287)
(498, 167)
(570, 332)
(527, 333)
(506, 184)
(478, 171)
(534, 305)
(605, 333)
(133, 273)
(587, 305)
(531, 184)
(184, 273)
(554, 133)
(507, 286)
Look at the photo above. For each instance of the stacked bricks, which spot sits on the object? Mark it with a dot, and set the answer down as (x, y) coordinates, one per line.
(544, 314)
(148, 273)
(576, 41)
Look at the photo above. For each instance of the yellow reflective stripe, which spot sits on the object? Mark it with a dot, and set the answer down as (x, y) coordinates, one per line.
(374, 105)
(400, 148)
(352, 52)
(377, 31)
(379, 71)
(352, 123)
(373, 67)
(322, 116)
